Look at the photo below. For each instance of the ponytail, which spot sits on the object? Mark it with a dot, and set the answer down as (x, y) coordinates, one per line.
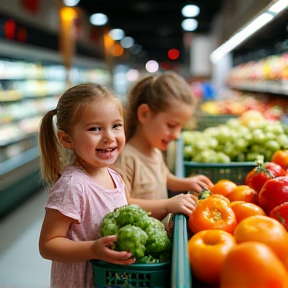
(50, 162)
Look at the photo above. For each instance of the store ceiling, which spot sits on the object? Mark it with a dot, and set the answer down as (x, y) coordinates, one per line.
(269, 40)
(154, 24)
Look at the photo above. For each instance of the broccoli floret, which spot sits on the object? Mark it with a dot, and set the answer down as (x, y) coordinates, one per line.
(109, 225)
(132, 239)
(132, 214)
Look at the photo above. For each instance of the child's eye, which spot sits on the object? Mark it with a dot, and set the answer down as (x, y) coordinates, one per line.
(117, 126)
(94, 129)
(171, 125)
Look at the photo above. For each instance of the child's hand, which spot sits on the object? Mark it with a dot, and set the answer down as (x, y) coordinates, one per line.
(198, 183)
(103, 252)
(182, 204)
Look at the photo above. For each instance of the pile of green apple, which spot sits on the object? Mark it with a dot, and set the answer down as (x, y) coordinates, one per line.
(235, 141)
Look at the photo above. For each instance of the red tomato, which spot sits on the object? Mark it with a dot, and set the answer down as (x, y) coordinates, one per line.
(273, 193)
(280, 213)
(280, 157)
(262, 173)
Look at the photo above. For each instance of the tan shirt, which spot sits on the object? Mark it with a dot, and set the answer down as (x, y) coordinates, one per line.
(145, 178)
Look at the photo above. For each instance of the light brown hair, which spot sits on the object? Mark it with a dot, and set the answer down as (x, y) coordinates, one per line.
(158, 92)
(70, 108)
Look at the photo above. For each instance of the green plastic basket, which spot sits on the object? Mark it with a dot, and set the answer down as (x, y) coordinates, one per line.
(206, 120)
(234, 171)
(135, 275)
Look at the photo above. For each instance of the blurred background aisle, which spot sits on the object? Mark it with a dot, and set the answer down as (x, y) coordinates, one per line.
(21, 265)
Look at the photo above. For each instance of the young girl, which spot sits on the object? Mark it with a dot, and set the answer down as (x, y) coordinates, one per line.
(158, 108)
(89, 122)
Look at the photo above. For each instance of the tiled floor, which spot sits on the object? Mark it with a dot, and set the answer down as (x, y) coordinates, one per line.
(21, 265)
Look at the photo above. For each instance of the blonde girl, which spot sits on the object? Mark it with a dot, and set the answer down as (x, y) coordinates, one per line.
(90, 129)
(158, 107)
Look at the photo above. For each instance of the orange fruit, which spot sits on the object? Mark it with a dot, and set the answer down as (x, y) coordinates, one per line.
(280, 157)
(243, 210)
(207, 250)
(219, 196)
(262, 229)
(212, 213)
(243, 193)
(252, 265)
(223, 187)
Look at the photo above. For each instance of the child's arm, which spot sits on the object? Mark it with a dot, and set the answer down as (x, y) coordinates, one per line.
(196, 183)
(54, 245)
(182, 203)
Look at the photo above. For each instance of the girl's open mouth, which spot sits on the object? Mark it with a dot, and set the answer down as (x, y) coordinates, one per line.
(106, 150)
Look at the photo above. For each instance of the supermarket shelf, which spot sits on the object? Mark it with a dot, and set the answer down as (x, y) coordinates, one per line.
(19, 178)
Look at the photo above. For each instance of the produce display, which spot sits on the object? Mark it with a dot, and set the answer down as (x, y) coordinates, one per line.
(144, 236)
(245, 229)
(237, 103)
(238, 140)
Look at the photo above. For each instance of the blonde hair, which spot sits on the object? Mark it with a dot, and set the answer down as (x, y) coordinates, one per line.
(70, 108)
(158, 92)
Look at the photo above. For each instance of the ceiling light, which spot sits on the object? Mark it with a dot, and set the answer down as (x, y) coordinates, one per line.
(71, 2)
(127, 42)
(238, 38)
(132, 75)
(117, 34)
(152, 66)
(190, 11)
(189, 24)
(278, 6)
(98, 19)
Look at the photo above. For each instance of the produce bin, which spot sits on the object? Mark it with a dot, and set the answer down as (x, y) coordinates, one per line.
(181, 271)
(135, 275)
(206, 120)
(234, 171)
(176, 274)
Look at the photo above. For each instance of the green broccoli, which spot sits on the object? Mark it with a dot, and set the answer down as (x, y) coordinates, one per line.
(133, 239)
(109, 225)
(132, 214)
(138, 233)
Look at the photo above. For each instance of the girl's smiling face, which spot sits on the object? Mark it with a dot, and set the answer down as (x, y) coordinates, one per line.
(98, 138)
(161, 128)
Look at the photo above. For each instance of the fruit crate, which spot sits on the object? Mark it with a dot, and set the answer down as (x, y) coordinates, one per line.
(234, 171)
(206, 120)
(174, 274)
(135, 275)
(181, 276)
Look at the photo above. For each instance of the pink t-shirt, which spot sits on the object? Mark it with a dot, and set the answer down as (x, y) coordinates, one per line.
(78, 196)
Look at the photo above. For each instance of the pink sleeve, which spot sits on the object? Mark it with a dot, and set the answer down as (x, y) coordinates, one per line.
(67, 197)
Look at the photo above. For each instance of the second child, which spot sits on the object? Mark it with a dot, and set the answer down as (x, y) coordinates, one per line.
(158, 107)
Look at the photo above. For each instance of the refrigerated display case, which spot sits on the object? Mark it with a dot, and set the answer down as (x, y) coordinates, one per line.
(28, 89)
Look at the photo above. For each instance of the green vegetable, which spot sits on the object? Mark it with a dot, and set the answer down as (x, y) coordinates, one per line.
(204, 194)
(132, 238)
(138, 233)
(147, 260)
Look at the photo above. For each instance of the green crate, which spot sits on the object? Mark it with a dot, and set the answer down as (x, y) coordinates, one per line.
(181, 276)
(135, 275)
(205, 120)
(234, 171)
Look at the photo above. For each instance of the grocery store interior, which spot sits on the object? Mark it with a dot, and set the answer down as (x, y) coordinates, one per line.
(233, 53)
